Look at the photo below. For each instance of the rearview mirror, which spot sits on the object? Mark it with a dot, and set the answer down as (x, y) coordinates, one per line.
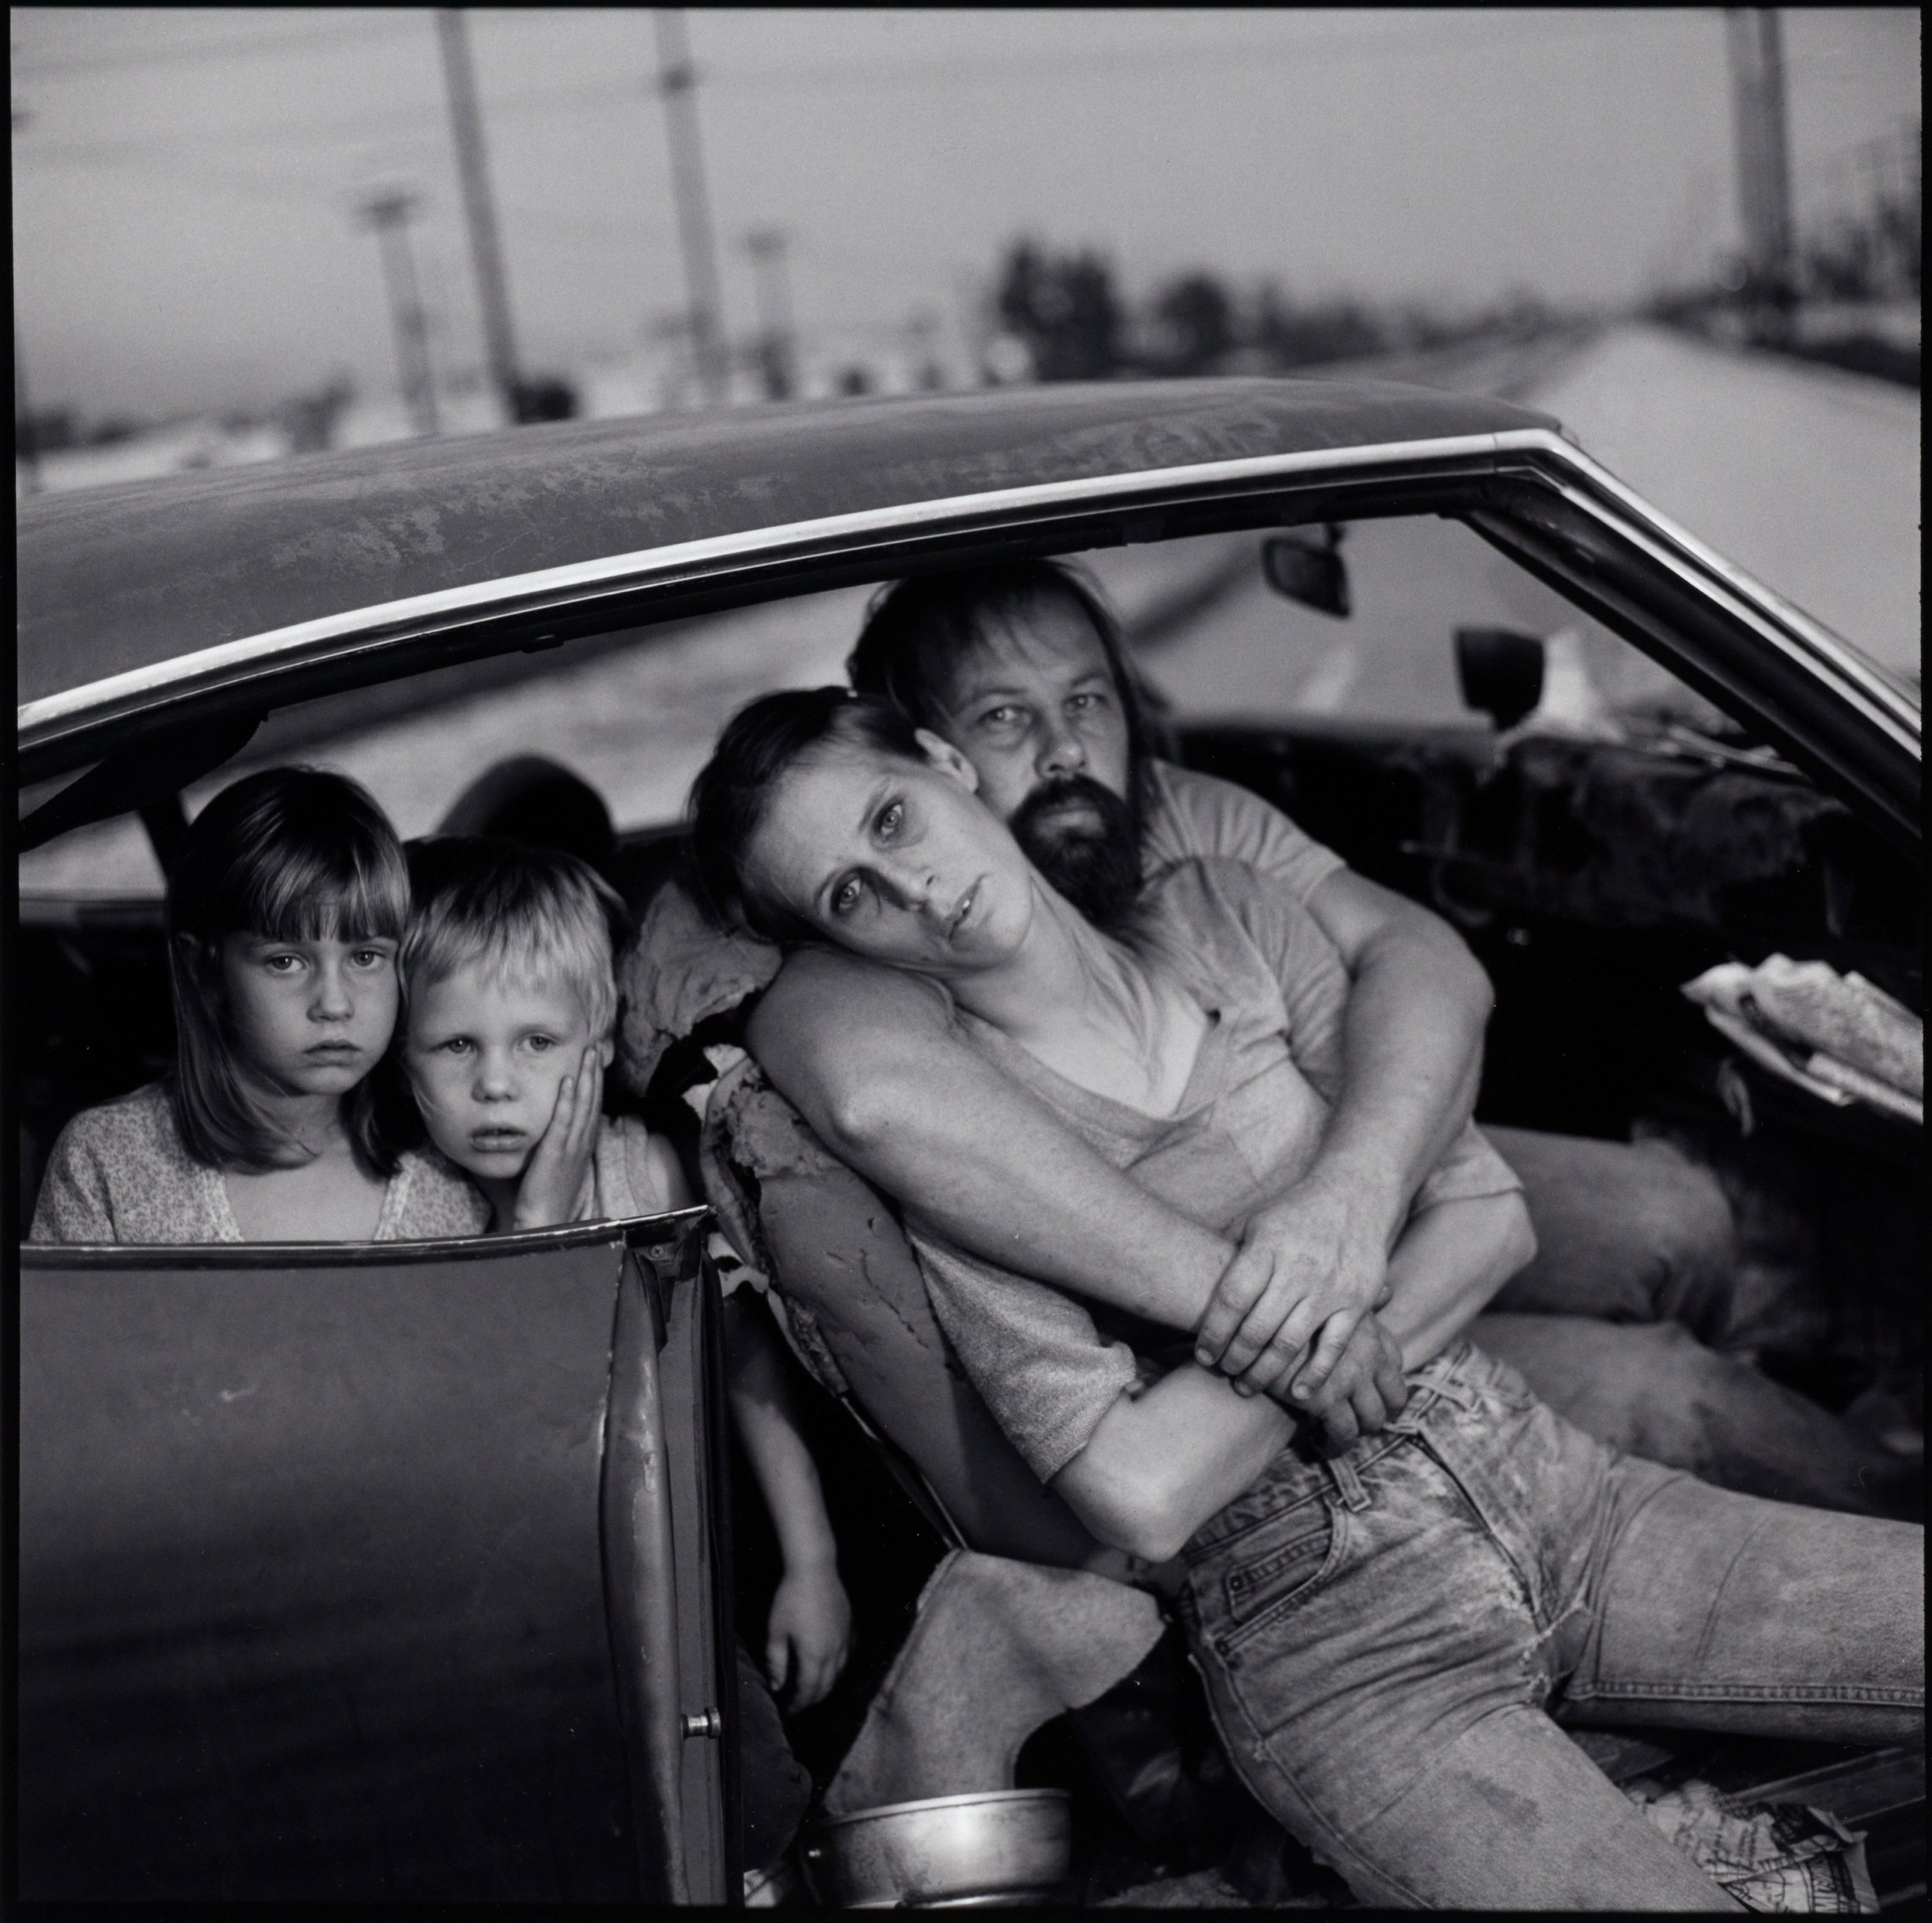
(1500, 672)
(1306, 566)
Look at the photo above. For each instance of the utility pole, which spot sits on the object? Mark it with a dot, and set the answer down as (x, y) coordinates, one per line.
(677, 83)
(479, 208)
(1764, 166)
(766, 247)
(389, 214)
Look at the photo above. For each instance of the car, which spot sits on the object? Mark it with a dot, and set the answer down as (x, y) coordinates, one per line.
(406, 1571)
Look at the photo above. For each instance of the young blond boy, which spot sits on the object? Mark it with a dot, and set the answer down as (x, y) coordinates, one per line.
(509, 1012)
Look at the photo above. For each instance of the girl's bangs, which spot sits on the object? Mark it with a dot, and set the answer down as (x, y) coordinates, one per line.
(359, 893)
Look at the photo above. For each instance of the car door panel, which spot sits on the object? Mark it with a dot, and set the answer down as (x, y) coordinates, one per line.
(313, 1593)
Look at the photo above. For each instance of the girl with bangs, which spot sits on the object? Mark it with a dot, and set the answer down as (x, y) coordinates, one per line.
(285, 912)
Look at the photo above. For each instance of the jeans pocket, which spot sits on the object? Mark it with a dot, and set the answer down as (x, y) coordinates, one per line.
(1282, 1564)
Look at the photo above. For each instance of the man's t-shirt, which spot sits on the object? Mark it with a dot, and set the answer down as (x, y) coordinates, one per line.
(1248, 1125)
(1194, 814)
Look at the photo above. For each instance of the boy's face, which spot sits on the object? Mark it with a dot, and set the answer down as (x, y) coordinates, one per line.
(484, 1054)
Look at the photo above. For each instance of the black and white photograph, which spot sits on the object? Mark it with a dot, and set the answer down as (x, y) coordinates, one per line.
(967, 957)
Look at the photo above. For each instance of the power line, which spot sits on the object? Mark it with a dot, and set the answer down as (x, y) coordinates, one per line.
(406, 121)
(83, 63)
(1059, 70)
(269, 187)
(949, 72)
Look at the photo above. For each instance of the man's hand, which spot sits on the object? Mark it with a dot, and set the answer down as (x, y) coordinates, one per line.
(808, 1634)
(1317, 1259)
(1363, 1390)
(555, 1177)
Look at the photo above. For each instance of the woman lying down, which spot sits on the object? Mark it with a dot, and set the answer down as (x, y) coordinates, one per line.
(1390, 1637)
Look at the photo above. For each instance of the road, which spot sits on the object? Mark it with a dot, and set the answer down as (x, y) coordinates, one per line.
(1806, 477)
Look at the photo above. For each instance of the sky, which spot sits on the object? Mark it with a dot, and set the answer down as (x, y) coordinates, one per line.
(185, 181)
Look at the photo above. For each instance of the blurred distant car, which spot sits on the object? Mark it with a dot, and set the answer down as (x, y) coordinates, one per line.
(404, 1571)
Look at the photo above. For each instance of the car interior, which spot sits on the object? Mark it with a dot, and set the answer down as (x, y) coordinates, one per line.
(1598, 833)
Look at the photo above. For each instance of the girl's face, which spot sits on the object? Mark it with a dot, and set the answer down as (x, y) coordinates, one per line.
(896, 860)
(310, 1017)
(484, 1056)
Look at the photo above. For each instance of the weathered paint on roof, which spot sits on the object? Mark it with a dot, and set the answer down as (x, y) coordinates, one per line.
(119, 579)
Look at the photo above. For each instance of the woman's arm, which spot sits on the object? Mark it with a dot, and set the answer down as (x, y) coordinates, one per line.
(1163, 1461)
(872, 1061)
(1161, 1464)
(1451, 1259)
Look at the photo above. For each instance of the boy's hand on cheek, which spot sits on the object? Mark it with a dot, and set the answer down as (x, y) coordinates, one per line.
(555, 1181)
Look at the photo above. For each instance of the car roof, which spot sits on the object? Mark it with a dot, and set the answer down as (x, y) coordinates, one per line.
(119, 579)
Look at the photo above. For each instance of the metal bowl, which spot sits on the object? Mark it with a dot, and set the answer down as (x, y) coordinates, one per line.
(999, 1847)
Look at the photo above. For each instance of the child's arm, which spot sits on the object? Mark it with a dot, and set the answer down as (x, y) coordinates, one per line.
(808, 1635)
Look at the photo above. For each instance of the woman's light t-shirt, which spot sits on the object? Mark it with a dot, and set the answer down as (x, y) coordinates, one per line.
(1248, 1125)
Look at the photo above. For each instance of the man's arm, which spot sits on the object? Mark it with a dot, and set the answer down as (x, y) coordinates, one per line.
(1411, 1039)
(1163, 1461)
(1412, 1057)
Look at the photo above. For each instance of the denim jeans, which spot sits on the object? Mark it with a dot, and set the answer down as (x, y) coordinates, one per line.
(1635, 1236)
(1391, 1639)
(1655, 1389)
(1628, 1232)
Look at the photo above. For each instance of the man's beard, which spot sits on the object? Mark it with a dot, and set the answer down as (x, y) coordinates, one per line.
(1095, 865)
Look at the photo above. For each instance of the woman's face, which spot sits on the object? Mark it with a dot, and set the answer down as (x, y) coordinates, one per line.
(896, 860)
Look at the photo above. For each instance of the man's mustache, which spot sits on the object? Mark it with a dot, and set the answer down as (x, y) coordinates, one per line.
(1098, 868)
(1116, 818)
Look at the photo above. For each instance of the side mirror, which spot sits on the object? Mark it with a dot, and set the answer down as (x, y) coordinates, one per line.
(1500, 671)
(1307, 566)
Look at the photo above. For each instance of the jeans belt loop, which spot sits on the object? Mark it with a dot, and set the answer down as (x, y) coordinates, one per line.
(1354, 1496)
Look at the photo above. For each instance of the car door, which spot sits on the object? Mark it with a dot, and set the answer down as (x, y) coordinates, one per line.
(377, 1572)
